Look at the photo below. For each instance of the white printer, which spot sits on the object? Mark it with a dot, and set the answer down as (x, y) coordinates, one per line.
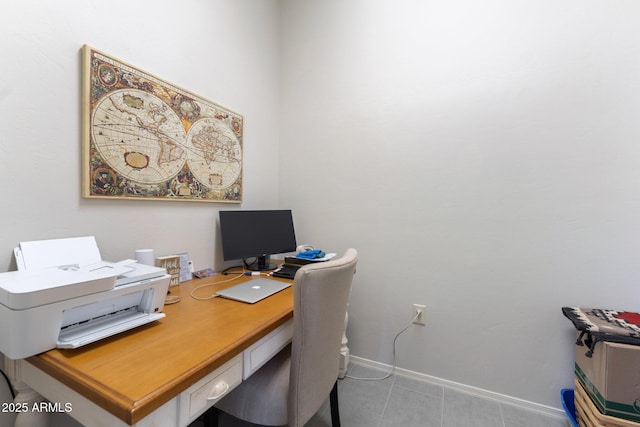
(67, 305)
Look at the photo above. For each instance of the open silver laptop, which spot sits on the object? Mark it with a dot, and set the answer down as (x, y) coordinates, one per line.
(253, 290)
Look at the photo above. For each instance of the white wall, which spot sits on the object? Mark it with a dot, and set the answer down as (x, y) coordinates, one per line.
(483, 158)
(224, 50)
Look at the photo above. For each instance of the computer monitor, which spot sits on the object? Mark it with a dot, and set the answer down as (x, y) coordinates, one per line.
(259, 233)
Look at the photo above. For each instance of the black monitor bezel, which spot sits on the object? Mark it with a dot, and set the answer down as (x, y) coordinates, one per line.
(261, 253)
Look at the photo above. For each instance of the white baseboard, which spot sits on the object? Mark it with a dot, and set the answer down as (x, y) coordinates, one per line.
(501, 398)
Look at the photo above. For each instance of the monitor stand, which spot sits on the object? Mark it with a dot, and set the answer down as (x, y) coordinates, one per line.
(262, 264)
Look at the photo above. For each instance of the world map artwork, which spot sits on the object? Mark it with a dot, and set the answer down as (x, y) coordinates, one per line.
(144, 138)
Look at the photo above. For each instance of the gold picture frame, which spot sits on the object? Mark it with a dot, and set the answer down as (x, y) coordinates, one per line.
(147, 139)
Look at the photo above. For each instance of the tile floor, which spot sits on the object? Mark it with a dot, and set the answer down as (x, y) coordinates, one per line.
(399, 401)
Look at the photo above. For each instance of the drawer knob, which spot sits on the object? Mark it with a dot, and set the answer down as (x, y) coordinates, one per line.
(218, 390)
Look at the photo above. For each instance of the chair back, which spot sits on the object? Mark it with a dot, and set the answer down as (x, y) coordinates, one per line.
(321, 293)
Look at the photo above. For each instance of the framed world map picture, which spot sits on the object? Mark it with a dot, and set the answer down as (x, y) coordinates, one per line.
(144, 138)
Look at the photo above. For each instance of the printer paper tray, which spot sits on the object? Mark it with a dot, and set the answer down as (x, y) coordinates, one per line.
(94, 330)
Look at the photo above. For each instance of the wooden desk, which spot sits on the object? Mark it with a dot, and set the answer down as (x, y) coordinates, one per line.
(140, 377)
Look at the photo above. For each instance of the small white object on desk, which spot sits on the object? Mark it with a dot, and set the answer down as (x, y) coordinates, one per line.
(145, 256)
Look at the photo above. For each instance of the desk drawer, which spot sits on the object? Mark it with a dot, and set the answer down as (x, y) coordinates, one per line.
(216, 385)
(267, 347)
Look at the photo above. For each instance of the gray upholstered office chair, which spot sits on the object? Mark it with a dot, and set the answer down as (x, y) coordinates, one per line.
(292, 386)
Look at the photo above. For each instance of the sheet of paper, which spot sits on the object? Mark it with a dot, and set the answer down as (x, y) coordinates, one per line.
(41, 254)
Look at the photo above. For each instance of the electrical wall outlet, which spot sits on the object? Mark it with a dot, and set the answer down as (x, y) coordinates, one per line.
(419, 314)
